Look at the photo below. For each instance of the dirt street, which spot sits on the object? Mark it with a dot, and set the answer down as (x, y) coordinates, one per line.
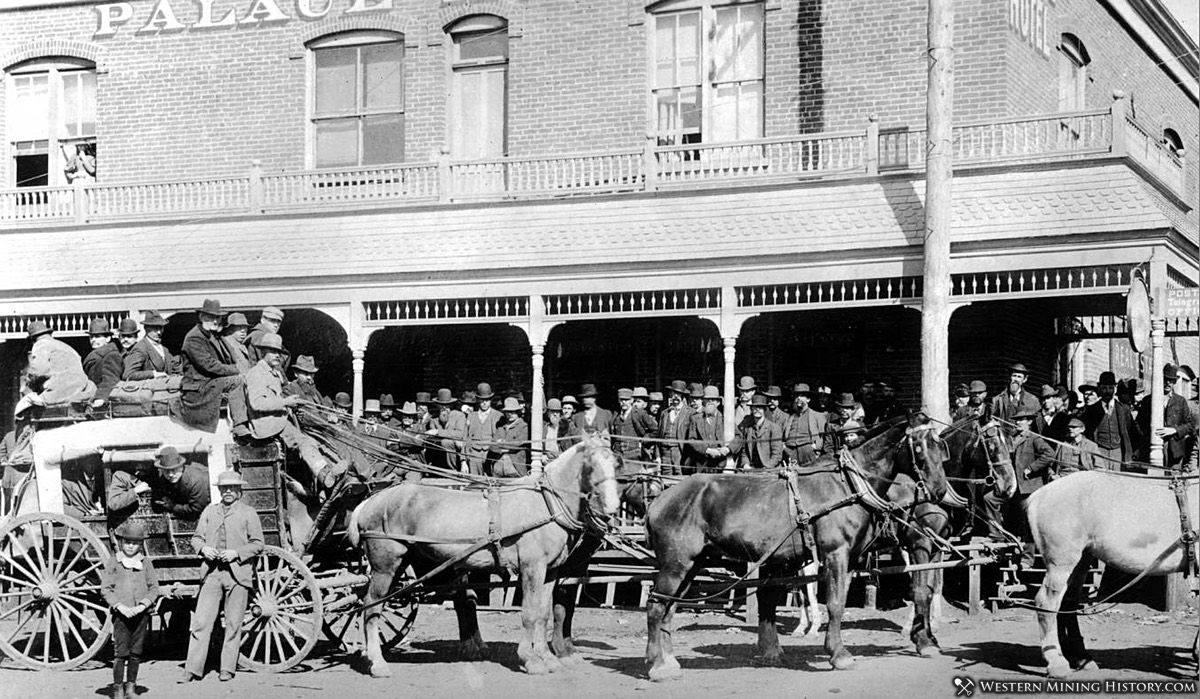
(1131, 642)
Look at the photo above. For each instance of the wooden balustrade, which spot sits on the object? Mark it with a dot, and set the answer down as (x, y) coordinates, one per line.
(415, 182)
(1055, 136)
(1156, 156)
(796, 156)
(1031, 139)
(145, 199)
(32, 204)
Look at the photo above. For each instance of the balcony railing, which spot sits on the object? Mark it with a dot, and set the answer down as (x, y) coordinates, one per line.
(1054, 137)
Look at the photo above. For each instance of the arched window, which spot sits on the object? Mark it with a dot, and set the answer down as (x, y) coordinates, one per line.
(51, 106)
(1171, 139)
(1072, 74)
(479, 87)
(357, 99)
(707, 80)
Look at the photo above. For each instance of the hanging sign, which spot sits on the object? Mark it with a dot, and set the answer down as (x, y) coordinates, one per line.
(1137, 314)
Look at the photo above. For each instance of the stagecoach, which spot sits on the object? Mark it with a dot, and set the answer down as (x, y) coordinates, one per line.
(52, 615)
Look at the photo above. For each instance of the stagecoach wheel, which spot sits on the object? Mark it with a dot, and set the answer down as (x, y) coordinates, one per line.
(283, 616)
(52, 615)
(395, 623)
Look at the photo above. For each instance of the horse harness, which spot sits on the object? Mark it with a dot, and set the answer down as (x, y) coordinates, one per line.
(860, 493)
(556, 513)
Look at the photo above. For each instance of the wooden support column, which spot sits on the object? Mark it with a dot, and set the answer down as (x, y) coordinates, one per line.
(729, 400)
(357, 363)
(935, 309)
(538, 331)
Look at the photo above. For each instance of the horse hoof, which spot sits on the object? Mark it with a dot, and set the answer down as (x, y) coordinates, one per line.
(930, 651)
(770, 660)
(1088, 666)
(536, 667)
(473, 650)
(380, 671)
(813, 631)
(662, 673)
(570, 659)
(842, 661)
(1058, 670)
(553, 664)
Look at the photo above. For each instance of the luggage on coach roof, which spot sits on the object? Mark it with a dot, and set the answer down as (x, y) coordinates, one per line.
(145, 397)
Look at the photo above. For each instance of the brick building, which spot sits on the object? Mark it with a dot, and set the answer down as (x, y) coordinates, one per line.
(613, 191)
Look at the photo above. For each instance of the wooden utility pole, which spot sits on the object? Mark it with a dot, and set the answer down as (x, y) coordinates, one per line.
(939, 176)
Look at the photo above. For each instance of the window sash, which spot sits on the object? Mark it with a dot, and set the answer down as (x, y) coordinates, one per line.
(358, 104)
(711, 61)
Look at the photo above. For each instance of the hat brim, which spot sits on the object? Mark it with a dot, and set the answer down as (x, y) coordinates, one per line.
(168, 467)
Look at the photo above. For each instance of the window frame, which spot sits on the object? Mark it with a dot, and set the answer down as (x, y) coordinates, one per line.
(1073, 59)
(356, 39)
(709, 85)
(463, 29)
(55, 68)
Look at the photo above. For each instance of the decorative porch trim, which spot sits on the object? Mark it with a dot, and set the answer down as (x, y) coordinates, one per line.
(841, 292)
(415, 311)
(1178, 280)
(1098, 327)
(1041, 282)
(632, 303)
(63, 324)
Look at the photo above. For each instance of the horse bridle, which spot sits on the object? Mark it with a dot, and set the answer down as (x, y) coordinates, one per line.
(922, 490)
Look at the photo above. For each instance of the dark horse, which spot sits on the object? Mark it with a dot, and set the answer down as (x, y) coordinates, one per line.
(636, 491)
(749, 517)
(978, 453)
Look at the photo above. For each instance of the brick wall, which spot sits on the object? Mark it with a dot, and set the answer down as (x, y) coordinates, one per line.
(1117, 63)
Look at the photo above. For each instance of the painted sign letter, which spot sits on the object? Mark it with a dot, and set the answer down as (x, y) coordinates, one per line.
(265, 11)
(368, 6)
(162, 19)
(304, 9)
(206, 17)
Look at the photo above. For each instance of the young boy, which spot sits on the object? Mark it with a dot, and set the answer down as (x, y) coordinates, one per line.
(130, 587)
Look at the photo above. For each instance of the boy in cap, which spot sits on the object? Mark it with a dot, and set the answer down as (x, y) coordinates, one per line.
(208, 369)
(228, 537)
(105, 363)
(129, 586)
(148, 358)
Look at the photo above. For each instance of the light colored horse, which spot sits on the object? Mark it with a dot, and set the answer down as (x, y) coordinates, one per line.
(537, 520)
(1132, 524)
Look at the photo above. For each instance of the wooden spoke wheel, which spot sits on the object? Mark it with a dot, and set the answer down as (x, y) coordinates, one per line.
(283, 616)
(395, 623)
(52, 615)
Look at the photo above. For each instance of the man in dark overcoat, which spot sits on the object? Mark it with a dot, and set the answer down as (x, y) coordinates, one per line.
(1109, 423)
(105, 363)
(705, 449)
(208, 370)
(148, 358)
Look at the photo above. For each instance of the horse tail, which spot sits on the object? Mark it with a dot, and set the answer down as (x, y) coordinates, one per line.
(352, 531)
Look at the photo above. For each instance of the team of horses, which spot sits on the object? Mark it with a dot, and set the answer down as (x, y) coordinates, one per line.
(544, 527)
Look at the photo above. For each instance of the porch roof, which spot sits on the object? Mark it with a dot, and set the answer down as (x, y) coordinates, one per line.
(465, 240)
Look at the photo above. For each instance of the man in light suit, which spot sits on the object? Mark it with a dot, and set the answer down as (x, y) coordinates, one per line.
(264, 413)
(672, 429)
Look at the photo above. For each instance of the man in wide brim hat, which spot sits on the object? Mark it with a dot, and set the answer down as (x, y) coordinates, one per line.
(266, 416)
(177, 486)
(445, 397)
(208, 373)
(342, 400)
(105, 364)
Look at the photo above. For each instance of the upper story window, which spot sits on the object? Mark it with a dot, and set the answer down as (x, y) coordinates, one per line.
(1072, 74)
(478, 112)
(51, 121)
(707, 84)
(358, 99)
(1171, 139)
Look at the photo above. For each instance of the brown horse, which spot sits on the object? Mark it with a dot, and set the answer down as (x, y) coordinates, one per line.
(978, 451)
(749, 517)
(1130, 523)
(529, 525)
